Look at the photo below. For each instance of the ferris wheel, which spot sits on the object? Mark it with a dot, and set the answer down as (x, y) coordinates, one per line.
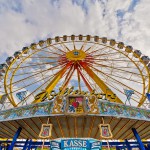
(81, 63)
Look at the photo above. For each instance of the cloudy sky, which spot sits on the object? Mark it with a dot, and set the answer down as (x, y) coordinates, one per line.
(25, 21)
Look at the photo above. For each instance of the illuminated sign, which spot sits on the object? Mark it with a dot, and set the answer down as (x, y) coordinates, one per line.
(77, 143)
(55, 144)
(95, 145)
(70, 91)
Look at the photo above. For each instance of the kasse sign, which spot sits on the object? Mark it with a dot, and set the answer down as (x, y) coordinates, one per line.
(78, 143)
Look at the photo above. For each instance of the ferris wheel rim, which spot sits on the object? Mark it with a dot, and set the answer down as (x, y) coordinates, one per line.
(15, 59)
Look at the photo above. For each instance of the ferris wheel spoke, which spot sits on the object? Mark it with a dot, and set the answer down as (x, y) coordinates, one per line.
(111, 67)
(90, 48)
(50, 50)
(120, 58)
(54, 81)
(132, 59)
(14, 71)
(26, 73)
(54, 47)
(37, 73)
(64, 46)
(85, 81)
(97, 50)
(27, 85)
(104, 54)
(54, 52)
(24, 79)
(99, 82)
(34, 91)
(126, 71)
(79, 83)
(115, 59)
(83, 45)
(90, 82)
(41, 72)
(35, 64)
(135, 96)
(114, 87)
(49, 77)
(2, 92)
(44, 57)
(117, 81)
(111, 84)
(121, 77)
(146, 86)
(66, 75)
(32, 83)
(147, 105)
(69, 75)
(74, 46)
(36, 79)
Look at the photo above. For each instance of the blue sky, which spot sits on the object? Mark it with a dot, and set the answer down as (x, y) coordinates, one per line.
(25, 21)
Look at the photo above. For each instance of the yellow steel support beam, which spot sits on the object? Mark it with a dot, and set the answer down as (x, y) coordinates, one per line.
(109, 94)
(52, 84)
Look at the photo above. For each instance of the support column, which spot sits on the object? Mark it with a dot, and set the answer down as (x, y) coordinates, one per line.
(117, 148)
(141, 145)
(30, 143)
(127, 144)
(25, 145)
(15, 138)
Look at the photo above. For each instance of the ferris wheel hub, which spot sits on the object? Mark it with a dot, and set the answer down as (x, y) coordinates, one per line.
(76, 55)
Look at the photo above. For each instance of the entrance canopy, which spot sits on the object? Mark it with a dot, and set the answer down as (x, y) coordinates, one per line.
(121, 118)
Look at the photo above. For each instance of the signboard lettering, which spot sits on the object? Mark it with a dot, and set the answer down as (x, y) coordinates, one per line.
(55, 144)
(70, 91)
(75, 143)
(95, 145)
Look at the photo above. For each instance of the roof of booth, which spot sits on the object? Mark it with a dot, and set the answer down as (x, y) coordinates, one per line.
(121, 118)
(83, 126)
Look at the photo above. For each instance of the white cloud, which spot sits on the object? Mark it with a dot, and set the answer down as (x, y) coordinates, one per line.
(135, 27)
(27, 21)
